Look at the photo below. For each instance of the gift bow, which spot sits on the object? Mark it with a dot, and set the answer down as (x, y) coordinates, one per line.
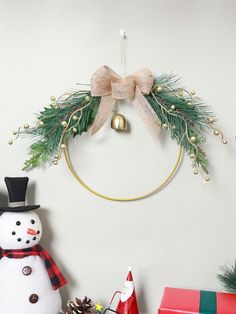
(110, 87)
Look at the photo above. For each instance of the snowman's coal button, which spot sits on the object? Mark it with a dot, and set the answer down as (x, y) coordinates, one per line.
(27, 270)
(33, 298)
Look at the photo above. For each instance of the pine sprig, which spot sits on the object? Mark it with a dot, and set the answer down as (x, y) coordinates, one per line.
(227, 277)
(185, 116)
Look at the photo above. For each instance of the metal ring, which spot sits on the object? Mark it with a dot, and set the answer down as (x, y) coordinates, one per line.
(124, 199)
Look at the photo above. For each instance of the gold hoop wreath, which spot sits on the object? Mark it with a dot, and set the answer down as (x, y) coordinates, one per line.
(160, 103)
(164, 182)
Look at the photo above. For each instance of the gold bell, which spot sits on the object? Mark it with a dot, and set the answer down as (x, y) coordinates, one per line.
(119, 122)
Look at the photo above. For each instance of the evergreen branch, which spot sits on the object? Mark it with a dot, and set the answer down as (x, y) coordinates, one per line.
(48, 133)
(228, 277)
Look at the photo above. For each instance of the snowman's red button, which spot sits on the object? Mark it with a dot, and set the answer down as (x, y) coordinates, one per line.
(33, 298)
(27, 270)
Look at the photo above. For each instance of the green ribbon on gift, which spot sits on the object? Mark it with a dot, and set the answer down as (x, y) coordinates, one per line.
(207, 302)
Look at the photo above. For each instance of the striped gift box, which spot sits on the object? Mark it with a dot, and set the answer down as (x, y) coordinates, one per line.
(197, 302)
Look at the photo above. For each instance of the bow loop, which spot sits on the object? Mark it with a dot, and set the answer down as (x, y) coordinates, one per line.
(144, 79)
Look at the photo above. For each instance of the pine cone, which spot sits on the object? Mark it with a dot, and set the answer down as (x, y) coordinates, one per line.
(79, 307)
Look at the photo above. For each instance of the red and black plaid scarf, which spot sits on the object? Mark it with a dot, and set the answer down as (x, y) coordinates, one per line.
(56, 277)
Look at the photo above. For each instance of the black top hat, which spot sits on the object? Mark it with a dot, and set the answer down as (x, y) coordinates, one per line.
(17, 191)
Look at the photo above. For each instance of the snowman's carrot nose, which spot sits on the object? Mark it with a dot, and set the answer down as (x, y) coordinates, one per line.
(31, 231)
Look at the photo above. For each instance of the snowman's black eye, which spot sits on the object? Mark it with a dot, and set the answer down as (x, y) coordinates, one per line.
(18, 223)
(19, 239)
(13, 233)
(38, 232)
(27, 242)
(33, 221)
(34, 238)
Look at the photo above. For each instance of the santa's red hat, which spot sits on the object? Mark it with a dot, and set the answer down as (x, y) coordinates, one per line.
(128, 302)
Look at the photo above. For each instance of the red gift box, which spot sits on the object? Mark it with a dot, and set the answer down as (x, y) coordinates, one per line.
(197, 302)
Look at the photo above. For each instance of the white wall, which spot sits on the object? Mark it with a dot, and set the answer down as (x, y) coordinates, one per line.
(178, 237)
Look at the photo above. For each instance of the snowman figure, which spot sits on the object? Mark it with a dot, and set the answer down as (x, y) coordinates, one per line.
(29, 278)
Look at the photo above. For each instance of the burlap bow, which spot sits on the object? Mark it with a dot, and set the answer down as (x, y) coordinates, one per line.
(109, 86)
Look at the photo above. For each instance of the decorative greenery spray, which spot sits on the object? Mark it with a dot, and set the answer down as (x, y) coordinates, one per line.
(182, 114)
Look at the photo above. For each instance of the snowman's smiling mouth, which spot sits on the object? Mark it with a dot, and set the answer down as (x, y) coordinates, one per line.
(31, 232)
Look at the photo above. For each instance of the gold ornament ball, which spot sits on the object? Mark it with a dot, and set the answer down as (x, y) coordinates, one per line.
(87, 98)
(10, 142)
(225, 142)
(165, 126)
(195, 172)
(159, 88)
(74, 130)
(192, 156)
(193, 139)
(26, 126)
(216, 132)
(63, 146)
(64, 123)
(53, 98)
(172, 107)
(207, 179)
(75, 117)
(14, 132)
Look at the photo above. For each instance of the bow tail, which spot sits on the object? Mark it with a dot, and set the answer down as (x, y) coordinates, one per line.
(146, 113)
(104, 110)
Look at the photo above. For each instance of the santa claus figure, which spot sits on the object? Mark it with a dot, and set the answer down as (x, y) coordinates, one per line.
(128, 302)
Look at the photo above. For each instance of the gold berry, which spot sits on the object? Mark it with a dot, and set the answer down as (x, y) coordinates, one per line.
(181, 93)
(74, 130)
(207, 179)
(225, 142)
(192, 156)
(55, 162)
(216, 132)
(165, 126)
(14, 132)
(87, 98)
(75, 117)
(172, 107)
(56, 107)
(195, 171)
(159, 88)
(192, 92)
(63, 146)
(41, 123)
(57, 156)
(173, 127)
(193, 139)
(64, 123)
(189, 103)
(10, 142)
(26, 126)
(211, 121)
(53, 98)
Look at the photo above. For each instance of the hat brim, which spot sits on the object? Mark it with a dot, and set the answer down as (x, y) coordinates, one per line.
(19, 208)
